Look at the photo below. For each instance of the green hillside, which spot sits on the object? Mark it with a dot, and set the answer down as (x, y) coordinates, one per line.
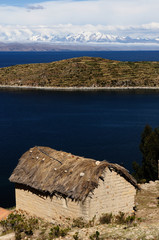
(83, 72)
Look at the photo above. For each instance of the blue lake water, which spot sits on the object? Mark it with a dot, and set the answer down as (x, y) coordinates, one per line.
(12, 58)
(97, 124)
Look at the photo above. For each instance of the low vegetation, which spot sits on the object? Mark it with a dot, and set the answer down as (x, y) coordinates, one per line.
(19, 224)
(76, 236)
(121, 218)
(81, 223)
(82, 72)
(27, 227)
(56, 231)
(95, 236)
(106, 218)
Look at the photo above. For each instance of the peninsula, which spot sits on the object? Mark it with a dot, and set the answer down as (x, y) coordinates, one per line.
(82, 72)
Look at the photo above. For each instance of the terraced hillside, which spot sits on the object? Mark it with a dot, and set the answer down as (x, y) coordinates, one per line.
(82, 72)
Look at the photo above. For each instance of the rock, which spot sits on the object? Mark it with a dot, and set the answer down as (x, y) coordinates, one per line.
(10, 236)
(152, 205)
(152, 183)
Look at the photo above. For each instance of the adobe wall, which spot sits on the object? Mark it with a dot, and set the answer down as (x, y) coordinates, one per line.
(113, 195)
(48, 208)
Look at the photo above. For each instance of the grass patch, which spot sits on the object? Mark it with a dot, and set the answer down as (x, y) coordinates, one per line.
(57, 232)
(106, 218)
(96, 236)
(121, 218)
(79, 223)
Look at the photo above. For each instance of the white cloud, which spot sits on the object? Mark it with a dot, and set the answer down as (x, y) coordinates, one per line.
(95, 12)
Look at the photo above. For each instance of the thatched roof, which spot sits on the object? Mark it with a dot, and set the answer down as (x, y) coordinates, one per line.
(58, 172)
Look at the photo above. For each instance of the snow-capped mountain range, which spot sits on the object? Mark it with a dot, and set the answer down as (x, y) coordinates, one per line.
(66, 34)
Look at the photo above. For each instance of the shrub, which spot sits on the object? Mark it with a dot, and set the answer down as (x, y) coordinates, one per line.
(105, 218)
(122, 219)
(19, 223)
(57, 232)
(18, 236)
(91, 222)
(79, 222)
(95, 236)
(75, 236)
(130, 219)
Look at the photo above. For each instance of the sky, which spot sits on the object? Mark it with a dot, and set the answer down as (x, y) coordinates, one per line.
(104, 12)
(110, 16)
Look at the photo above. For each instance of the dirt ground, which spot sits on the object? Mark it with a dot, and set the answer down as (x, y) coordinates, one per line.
(147, 203)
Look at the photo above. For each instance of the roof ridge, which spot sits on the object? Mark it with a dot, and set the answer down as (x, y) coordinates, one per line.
(48, 155)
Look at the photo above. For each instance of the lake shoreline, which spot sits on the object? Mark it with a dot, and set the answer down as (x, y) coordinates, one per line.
(75, 88)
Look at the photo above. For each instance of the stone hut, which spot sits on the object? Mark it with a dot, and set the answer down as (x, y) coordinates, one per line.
(53, 184)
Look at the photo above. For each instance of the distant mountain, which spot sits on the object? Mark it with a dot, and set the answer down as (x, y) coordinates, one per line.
(42, 46)
(82, 37)
(69, 34)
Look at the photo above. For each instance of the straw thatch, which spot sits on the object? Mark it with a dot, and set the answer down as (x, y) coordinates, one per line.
(57, 172)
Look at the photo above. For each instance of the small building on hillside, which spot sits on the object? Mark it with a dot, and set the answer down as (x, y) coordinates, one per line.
(53, 184)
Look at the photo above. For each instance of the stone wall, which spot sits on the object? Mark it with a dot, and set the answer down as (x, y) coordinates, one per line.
(114, 194)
